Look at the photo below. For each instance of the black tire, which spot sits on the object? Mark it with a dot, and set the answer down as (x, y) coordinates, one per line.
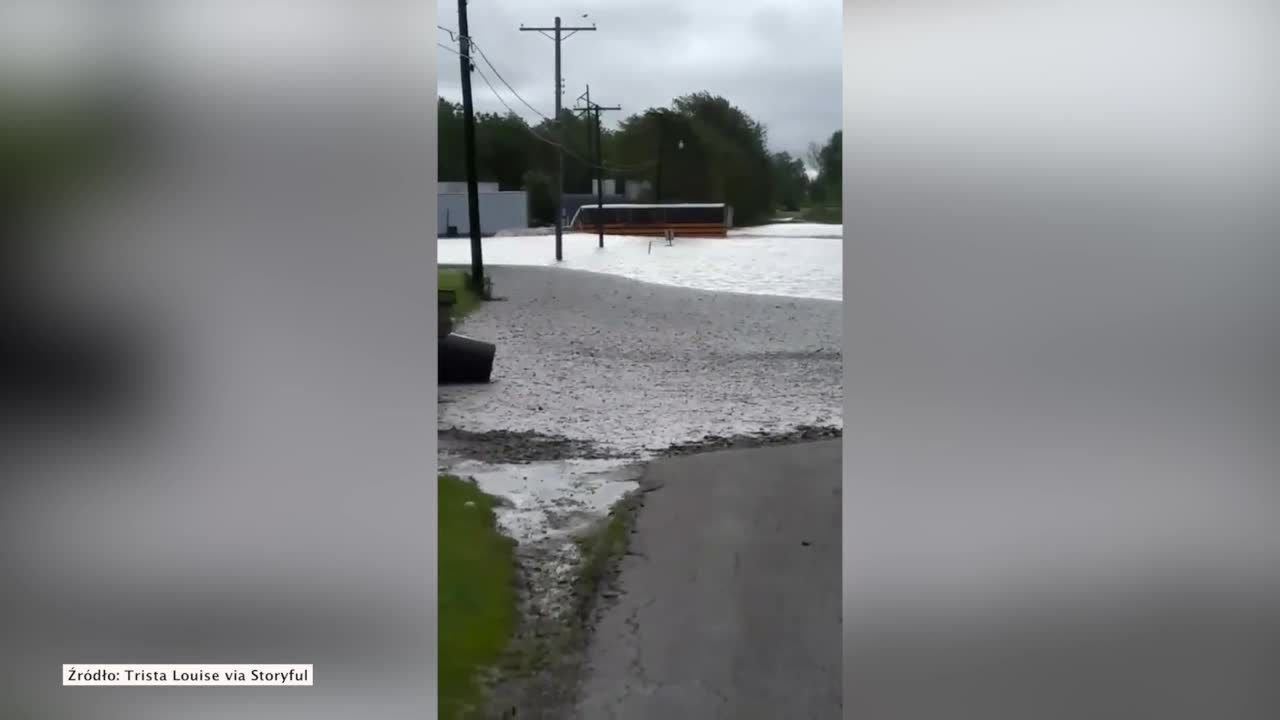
(465, 360)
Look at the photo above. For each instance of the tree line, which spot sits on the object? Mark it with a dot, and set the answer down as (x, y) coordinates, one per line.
(699, 149)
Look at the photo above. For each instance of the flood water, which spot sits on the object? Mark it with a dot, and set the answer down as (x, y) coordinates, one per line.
(794, 260)
(550, 499)
(635, 366)
(597, 356)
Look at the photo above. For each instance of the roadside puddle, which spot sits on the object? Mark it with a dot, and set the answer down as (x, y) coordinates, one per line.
(551, 499)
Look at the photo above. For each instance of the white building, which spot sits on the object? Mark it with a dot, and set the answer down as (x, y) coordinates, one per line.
(499, 209)
(629, 191)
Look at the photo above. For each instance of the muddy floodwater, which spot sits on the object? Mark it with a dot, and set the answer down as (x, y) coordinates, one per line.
(602, 367)
(796, 260)
(624, 354)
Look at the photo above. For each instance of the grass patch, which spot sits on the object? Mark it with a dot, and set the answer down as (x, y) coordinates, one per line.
(459, 281)
(477, 593)
(542, 664)
(827, 215)
(601, 551)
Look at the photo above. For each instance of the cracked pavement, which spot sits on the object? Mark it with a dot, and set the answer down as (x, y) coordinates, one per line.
(728, 602)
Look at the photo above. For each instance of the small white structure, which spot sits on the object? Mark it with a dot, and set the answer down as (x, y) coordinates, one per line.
(611, 187)
(636, 190)
(461, 187)
(499, 209)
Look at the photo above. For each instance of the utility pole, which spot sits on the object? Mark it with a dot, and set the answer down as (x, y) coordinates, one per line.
(599, 179)
(593, 111)
(660, 118)
(558, 29)
(600, 171)
(469, 148)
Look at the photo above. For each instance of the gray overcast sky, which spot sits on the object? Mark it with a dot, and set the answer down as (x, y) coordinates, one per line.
(777, 60)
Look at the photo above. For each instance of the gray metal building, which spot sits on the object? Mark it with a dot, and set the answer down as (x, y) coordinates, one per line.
(499, 209)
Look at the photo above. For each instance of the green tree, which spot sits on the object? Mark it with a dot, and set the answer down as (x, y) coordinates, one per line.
(450, 160)
(542, 208)
(828, 160)
(502, 149)
(740, 163)
(666, 149)
(790, 182)
(700, 149)
(579, 158)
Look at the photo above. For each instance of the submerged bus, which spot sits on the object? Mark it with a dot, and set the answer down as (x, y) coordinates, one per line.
(686, 219)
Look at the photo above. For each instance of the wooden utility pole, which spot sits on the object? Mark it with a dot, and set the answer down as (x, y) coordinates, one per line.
(600, 171)
(469, 148)
(661, 118)
(558, 29)
(599, 178)
(593, 111)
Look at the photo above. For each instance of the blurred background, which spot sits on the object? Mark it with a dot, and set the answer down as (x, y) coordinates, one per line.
(218, 397)
(1061, 493)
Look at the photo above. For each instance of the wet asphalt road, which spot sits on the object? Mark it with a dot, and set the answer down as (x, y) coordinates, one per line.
(729, 602)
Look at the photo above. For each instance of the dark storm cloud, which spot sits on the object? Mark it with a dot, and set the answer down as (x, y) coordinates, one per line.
(778, 61)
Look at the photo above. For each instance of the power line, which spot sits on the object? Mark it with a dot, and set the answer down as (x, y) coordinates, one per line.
(474, 44)
(510, 110)
(623, 169)
(553, 143)
(531, 131)
(544, 117)
(504, 82)
(494, 68)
